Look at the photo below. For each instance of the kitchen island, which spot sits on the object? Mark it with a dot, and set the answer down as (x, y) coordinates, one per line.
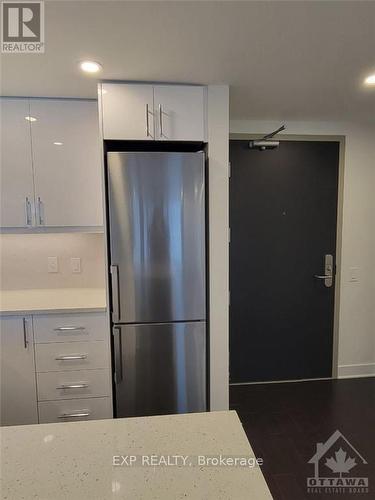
(163, 457)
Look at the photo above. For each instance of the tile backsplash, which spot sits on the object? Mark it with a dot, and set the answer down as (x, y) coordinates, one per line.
(24, 260)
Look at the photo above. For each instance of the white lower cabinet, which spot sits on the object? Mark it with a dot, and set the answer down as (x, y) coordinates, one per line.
(73, 367)
(18, 387)
(71, 356)
(77, 327)
(72, 410)
(73, 384)
(67, 379)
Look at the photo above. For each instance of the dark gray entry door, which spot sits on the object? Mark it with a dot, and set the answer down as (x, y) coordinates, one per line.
(283, 217)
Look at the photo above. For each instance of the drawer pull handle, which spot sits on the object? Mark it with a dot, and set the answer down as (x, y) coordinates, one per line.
(83, 413)
(71, 357)
(69, 328)
(82, 385)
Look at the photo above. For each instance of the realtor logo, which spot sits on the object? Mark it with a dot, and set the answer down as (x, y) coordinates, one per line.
(22, 27)
(333, 463)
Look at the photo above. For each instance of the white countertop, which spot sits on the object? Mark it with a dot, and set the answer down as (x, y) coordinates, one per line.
(75, 460)
(52, 300)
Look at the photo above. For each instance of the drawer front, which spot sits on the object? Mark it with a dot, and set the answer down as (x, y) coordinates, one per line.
(70, 327)
(73, 384)
(60, 356)
(73, 410)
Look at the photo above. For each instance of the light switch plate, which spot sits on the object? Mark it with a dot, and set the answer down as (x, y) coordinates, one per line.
(354, 274)
(53, 265)
(75, 264)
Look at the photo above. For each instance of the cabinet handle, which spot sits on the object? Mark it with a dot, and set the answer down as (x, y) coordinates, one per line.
(40, 210)
(82, 385)
(28, 212)
(161, 120)
(25, 341)
(82, 413)
(70, 357)
(148, 122)
(69, 328)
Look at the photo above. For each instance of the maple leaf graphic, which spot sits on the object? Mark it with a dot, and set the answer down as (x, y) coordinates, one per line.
(340, 464)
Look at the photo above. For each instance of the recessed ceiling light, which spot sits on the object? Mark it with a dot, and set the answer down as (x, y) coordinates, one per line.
(90, 66)
(370, 80)
(58, 143)
(30, 118)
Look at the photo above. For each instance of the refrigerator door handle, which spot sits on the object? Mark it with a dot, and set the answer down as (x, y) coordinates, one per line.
(117, 348)
(115, 294)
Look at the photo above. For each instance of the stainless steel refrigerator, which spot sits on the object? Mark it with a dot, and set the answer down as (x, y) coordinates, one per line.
(156, 214)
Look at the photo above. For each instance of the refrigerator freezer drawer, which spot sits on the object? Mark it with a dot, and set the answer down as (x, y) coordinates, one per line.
(160, 368)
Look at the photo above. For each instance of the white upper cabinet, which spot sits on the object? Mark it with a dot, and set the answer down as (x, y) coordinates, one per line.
(179, 113)
(154, 112)
(67, 166)
(17, 194)
(127, 111)
(18, 384)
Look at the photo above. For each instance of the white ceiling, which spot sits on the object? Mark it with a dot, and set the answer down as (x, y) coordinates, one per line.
(293, 60)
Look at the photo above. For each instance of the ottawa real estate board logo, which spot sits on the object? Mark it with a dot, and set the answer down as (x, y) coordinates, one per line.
(338, 468)
(22, 27)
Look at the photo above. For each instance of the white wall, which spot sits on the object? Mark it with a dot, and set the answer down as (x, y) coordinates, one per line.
(24, 260)
(357, 308)
(218, 142)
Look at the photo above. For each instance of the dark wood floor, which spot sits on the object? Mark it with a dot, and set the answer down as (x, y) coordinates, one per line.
(284, 422)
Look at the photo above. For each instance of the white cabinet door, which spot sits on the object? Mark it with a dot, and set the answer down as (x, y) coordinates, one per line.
(67, 162)
(17, 195)
(127, 111)
(18, 386)
(179, 113)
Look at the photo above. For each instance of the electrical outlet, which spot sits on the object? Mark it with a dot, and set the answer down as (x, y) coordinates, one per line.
(75, 264)
(53, 265)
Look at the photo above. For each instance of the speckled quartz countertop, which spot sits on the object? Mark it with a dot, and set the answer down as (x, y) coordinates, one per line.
(75, 461)
(36, 301)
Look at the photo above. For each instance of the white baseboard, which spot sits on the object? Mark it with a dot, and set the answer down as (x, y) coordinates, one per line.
(361, 370)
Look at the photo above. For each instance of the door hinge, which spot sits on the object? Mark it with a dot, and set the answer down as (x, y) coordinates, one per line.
(229, 169)
(229, 234)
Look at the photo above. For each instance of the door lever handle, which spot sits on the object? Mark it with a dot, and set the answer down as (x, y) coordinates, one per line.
(327, 277)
